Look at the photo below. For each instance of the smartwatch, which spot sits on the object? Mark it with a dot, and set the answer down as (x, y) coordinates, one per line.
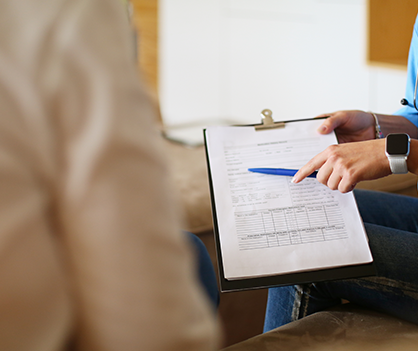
(397, 151)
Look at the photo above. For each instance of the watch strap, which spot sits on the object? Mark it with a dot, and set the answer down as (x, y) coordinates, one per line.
(398, 164)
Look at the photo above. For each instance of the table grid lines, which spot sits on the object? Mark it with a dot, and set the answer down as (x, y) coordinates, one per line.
(289, 226)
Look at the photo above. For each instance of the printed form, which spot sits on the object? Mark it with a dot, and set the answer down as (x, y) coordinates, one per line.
(267, 225)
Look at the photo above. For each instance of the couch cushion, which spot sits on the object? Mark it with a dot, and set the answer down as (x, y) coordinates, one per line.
(188, 166)
(396, 183)
(346, 328)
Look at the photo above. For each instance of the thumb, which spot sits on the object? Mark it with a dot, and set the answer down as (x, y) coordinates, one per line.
(329, 124)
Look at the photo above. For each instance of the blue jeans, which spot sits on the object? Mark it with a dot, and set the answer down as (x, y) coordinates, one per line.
(205, 271)
(391, 222)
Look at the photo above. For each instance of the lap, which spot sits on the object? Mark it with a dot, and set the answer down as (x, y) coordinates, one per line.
(391, 224)
(388, 210)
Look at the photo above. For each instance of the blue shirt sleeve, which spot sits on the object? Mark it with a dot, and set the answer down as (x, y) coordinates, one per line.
(409, 110)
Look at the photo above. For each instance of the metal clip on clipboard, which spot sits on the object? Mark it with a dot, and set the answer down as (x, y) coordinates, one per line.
(267, 121)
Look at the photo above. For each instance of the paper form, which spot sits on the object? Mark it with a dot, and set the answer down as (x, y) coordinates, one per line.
(268, 225)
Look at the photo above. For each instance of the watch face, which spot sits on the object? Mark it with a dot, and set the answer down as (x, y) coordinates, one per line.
(397, 144)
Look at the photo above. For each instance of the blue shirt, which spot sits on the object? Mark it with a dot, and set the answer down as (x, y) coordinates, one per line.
(409, 110)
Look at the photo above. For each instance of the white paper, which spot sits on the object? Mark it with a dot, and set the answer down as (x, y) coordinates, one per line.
(268, 225)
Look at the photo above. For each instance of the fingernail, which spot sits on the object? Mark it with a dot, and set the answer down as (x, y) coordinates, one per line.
(322, 129)
(294, 180)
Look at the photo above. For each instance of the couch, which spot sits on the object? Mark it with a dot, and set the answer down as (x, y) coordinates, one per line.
(242, 313)
(346, 328)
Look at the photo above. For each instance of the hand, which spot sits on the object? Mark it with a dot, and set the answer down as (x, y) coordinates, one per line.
(343, 166)
(349, 125)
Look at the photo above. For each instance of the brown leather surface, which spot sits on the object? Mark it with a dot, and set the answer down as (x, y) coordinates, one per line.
(347, 328)
(188, 166)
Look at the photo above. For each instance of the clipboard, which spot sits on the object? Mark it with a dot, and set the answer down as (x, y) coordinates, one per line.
(303, 277)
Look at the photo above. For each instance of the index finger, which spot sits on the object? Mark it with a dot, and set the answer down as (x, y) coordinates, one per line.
(310, 168)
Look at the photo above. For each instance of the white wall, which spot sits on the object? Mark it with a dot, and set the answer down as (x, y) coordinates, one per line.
(233, 58)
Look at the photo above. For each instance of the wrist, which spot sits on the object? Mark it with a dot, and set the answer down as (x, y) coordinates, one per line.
(412, 160)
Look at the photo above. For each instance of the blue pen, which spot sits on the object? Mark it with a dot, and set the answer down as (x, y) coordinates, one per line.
(279, 171)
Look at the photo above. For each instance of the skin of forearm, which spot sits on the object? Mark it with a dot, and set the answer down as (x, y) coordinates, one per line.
(412, 161)
(397, 124)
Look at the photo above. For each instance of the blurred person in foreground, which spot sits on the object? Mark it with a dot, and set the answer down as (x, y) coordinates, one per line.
(92, 254)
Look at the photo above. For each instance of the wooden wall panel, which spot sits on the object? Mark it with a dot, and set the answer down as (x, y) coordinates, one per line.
(390, 30)
(146, 22)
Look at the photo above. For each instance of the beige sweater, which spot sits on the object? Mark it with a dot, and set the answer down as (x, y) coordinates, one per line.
(90, 244)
